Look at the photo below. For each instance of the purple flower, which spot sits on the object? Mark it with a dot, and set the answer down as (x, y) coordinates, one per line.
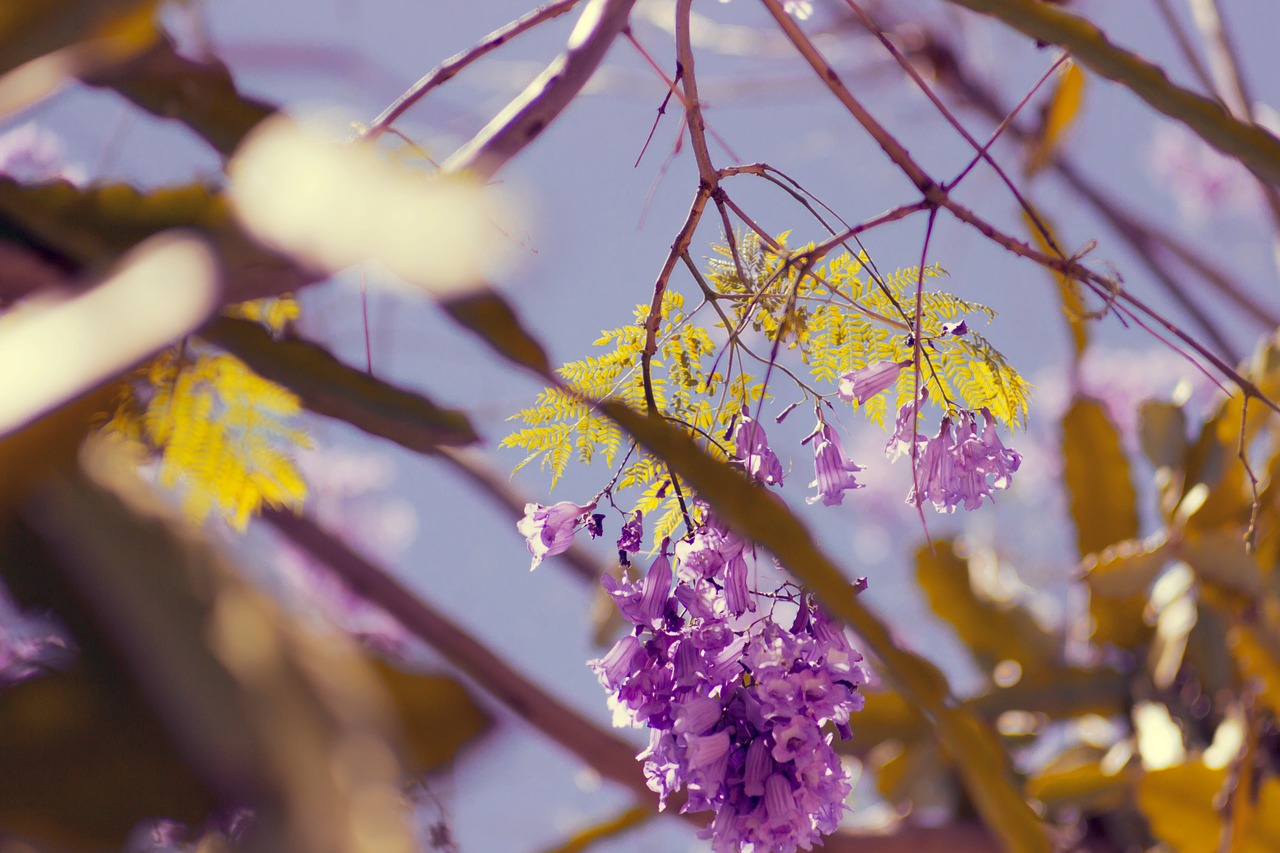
(549, 530)
(30, 645)
(643, 603)
(965, 467)
(1000, 462)
(904, 431)
(751, 448)
(632, 533)
(32, 154)
(866, 382)
(956, 329)
(1203, 181)
(705, 553)
(834, 470)
(735, 706)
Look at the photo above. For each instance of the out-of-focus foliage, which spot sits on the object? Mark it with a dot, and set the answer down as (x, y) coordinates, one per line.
(222, 432)
(1156, 718)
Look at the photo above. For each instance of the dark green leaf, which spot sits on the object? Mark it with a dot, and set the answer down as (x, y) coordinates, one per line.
(201, 94)
(91, 227)
(438, 714)
(1162, 429)
(32, 28)
(328, 387)
(490, 316)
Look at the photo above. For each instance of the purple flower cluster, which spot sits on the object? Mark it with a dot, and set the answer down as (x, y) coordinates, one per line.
(736, 702)
(959, 464)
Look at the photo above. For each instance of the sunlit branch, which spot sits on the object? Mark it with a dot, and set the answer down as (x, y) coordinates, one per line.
(543, 100)
(446, 70)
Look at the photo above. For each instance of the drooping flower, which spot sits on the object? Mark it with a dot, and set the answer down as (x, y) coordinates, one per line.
(632, 533)
(935, 474)
(866, 382)
(751, 448)
(549, 530)
(904, 432)
(833, 469)
(964, 467)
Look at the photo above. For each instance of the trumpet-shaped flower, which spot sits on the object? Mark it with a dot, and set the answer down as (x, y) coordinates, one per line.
(549, 530)
(866, 382)
(833, 469)
(751, 448)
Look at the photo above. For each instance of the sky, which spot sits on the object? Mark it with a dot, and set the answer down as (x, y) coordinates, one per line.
(597, 232)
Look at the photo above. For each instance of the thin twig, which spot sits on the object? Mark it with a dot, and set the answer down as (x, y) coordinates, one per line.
(917, 348)
(1185, 47)
(612, 757)
(983, 151)
(446, 70)
(1140, 235)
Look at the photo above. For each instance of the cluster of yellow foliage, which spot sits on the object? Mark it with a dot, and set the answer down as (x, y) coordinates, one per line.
(222, 434)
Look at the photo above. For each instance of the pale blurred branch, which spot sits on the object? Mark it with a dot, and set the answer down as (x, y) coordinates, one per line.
(446, 70)
(546, 97)
(1247, 142)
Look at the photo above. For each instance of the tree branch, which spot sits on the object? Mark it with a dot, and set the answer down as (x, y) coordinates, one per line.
(1248, 143)
(446, 70)
(547, 96)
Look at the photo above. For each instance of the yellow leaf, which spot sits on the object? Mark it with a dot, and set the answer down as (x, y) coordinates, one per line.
(1059, 113)
(1181, 804)
(222, 433)
(1073, 306)
(993, 631)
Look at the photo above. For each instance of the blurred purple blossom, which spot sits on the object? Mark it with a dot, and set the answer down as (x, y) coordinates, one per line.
(31, 154)
(347, 494)
(29, 644)
(1203, 181)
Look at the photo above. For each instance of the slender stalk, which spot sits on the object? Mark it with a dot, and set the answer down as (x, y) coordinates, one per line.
(446, 70)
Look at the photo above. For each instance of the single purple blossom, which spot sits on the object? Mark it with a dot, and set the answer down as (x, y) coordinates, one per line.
(833, 469)
(751, 448)
(866, 382)
(904, 431)
(549, 530)
(632, 534)
(955, 329)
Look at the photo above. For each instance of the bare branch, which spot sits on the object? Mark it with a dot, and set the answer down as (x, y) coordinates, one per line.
(446, 70)
(546, 97)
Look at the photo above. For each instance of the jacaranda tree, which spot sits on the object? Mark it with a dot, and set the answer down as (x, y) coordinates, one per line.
(162, 387)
